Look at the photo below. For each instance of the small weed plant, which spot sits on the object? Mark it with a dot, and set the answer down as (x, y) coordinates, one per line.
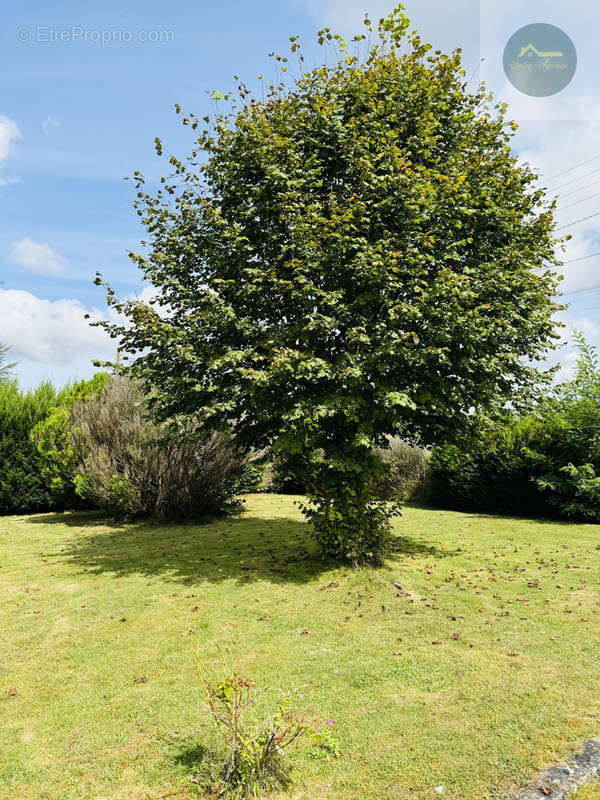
(255, 761)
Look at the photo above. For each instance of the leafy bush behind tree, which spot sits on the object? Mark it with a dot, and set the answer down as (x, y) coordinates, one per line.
(403, 476)
(405, 471)
(547, 462)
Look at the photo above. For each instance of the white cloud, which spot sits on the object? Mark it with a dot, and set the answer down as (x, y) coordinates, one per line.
(567, 353)
(9, 132)
(52, 339)
(49, 125)
(37, 257)
(49, 332)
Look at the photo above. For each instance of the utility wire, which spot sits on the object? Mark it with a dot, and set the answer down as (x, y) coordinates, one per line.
(581, 164)
(581, 258)
(581, 188)
(577, 202)
(575, 221)
(568, 183)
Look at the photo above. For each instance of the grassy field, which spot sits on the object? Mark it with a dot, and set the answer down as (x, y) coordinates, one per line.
(590, 791)
(483, 671)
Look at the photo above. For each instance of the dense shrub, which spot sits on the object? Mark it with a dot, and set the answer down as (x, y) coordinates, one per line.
(128, 466)
(52, 435)
(403, 476)
(22, 488)
(492, 472)
(405, 472)
(286, 475)
(545, 462)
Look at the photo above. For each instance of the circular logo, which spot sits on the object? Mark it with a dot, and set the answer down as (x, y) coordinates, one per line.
(540, 59)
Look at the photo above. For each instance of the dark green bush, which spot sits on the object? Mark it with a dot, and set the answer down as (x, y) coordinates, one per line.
(22, 488)
(286, 475)
(545, 462)
(52, 436)
(494, 472)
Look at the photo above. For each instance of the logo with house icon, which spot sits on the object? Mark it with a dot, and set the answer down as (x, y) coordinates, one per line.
(540, 59)
(531, 50)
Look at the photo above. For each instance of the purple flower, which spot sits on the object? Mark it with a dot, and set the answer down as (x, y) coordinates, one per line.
(330, 722)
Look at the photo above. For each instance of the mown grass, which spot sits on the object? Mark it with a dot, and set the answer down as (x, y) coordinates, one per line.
(589, 791)
(483, 671)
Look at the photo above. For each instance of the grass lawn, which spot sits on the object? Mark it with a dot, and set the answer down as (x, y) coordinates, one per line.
(482, 672)
(590, 791)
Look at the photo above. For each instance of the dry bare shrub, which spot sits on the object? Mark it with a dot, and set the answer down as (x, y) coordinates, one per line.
(128, 467)
(406, 469)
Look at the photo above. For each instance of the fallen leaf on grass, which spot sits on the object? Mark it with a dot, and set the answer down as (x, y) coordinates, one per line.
(456, 636)
(143, 679)
(12, 692)
(512, 653)
(397, 652)
(265, 619)
(304, 631)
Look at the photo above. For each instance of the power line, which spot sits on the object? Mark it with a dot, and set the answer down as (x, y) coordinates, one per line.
(582, 258)
(581, 164)
(568, 183)
(581, 188)
(575, 221)
(577, 202)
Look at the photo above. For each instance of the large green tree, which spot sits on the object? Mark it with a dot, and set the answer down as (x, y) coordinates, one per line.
(353, 254)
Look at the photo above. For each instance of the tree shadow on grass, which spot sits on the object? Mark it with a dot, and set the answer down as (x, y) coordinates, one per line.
(195, 755)
(243, 548)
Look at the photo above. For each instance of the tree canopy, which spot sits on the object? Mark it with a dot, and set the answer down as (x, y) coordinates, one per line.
(355, 253)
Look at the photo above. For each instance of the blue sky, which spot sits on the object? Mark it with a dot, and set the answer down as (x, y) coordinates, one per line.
(77, 115)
